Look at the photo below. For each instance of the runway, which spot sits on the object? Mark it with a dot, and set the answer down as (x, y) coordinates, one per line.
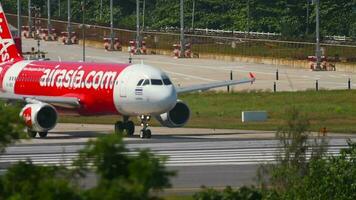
(198, 159)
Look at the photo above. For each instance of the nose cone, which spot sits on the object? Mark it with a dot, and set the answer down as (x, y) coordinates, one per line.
(164, 99)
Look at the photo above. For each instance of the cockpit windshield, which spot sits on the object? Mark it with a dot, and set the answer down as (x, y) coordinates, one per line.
(166, 81)
(140, 82)
(146, 82)
(156, 82)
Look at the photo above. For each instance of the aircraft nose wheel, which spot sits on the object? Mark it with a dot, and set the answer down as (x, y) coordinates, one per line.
(145, 132)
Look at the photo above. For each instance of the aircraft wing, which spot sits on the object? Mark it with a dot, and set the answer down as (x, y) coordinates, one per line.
(215, 85)
(67, 102)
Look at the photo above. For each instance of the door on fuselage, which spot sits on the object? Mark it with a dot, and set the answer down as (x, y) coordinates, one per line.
(123, 84)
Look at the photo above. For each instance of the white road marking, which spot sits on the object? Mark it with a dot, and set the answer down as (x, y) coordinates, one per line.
(189, 157)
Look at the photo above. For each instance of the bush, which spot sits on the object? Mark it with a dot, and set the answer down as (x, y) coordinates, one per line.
(244, 193)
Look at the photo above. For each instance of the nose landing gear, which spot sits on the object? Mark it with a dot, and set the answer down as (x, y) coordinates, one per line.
(145, 133)
(126, 126)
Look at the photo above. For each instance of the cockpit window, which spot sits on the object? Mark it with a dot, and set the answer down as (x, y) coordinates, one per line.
(156, 82)
(146, 82)
(140, 82)
(166, 81)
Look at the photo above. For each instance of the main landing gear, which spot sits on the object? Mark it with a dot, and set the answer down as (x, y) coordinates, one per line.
(126, 127)
(32, 134)
(145, 133)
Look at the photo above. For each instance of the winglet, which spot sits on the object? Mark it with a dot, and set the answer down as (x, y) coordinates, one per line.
(253, 77)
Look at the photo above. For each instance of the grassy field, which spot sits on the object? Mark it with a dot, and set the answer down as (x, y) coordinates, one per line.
(335, 110)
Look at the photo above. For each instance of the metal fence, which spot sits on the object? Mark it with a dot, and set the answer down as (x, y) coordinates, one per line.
(235, 46)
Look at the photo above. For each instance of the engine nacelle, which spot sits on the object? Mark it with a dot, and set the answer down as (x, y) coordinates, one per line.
(39, 117)
(177, 117)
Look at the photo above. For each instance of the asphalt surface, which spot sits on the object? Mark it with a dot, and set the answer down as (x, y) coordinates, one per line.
(214, 160)
(185, 72)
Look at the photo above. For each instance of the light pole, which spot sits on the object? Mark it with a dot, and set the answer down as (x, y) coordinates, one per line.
(69, 40)
(29, 19)
(137, 24)
(193, 15)
(59, 8)
(143, 14)
(181, 28)
(19, 18)
(101, 9)
(307, 29)
(317, 32)
(83, 29)
(49, 17)
(111, 26)
(248, 18)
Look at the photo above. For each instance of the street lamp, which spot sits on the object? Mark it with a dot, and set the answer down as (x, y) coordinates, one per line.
(19, 18)
(193, 15)
(69, 40)
(59, 8)
(111, 26)
(83, 28)
(29, 19)
(101, 9)
(181, 28)
(317, 32)
(308, 13)
(143, 15)
(248, 18)
(137, 24)
(49, 18)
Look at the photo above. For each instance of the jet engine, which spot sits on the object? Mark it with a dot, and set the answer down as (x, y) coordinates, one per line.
(39, 117)
(177, 117)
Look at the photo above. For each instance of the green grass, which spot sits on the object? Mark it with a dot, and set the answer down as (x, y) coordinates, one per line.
(178, 197)
(335, 110)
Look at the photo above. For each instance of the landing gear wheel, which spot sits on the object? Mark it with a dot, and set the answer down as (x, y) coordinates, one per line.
(43, 134)
(31, 134)
(148, 133)
(142, 134)
(145, 132)
(130, 128)
(119, 127)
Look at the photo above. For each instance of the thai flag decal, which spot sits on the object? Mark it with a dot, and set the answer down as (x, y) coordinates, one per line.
(138, 91)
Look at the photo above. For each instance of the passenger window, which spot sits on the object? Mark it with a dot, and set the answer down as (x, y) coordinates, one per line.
(140, 82)
(156, 82)
(166, 81)
(146, 82)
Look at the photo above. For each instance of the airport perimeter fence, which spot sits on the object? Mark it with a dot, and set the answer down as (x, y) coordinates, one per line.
(205, 44)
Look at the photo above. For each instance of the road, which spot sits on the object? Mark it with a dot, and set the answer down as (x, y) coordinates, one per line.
(214, 160)
(185, 72)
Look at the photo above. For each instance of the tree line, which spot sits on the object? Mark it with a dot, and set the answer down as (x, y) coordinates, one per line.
(291, 18)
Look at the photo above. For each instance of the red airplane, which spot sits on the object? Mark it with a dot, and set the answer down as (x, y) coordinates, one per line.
(91, 89)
